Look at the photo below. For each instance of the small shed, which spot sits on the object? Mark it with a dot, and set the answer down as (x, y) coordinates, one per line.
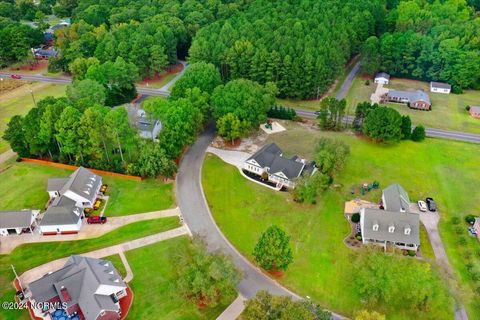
(475, 111)
(382, 78)
(440, 87)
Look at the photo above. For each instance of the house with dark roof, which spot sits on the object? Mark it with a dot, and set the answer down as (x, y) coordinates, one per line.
(413, 99)
(382, 77)
(269, 162)
(16, 222)
(68, 199)
(393, 224)
(146, 126)
(440, 87)
(84, 287)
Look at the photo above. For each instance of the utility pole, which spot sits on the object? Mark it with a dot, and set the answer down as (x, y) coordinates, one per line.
(33, 98)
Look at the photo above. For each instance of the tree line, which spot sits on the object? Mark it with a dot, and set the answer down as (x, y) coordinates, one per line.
(300, 46)
(429, 40)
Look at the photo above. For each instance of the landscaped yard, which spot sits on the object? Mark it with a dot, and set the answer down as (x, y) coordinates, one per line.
(448, 111)
(28, 256)
(154, 287)
(26, 185)
(322, 267)
(19, 101)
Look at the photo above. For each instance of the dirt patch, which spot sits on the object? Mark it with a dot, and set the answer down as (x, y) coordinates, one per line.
(158, 77)
(8, 85)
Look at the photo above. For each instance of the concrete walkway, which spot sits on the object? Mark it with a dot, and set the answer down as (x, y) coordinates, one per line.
(129, 275)
(234, 310)
(38, 272)
(88, 231)
(376, 97)
(235, 158)
(6, 155)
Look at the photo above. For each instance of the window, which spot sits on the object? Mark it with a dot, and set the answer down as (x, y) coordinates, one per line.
(375, 227)
(408, 230)
(391, 229)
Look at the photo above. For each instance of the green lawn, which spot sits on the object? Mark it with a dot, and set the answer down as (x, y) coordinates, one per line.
(301, 104)
(443, 169)
(154, 287)
(157, 84)
(448, 110)
(28, 256)
(26, 184)
(19, 101)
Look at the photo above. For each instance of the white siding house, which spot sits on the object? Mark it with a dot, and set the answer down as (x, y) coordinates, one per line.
(440, 87)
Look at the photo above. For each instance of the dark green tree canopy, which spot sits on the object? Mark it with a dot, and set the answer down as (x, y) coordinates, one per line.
(201, 75)
(383, 124)
(273, 251)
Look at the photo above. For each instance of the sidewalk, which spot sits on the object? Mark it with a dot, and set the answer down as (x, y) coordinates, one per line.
(38, 272)
(6, 155)
(234, 310)
(88, 231)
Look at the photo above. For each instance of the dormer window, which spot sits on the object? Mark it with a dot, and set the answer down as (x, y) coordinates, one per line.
(408, 230)
(375, 227)
(391, 229)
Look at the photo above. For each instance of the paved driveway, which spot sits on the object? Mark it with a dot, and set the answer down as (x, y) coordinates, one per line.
(235, 158)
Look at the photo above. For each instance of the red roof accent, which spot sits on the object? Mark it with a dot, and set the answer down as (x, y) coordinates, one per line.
(65, 295)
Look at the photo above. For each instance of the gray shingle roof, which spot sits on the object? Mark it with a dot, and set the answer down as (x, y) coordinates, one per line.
(411, 96)
(440, 85)
(81, 278)
(56, 184)
(396, 198)
(270, 156)
(84, 183)
(399, 220)
(382, 75)
(16, 219)
(62, 212)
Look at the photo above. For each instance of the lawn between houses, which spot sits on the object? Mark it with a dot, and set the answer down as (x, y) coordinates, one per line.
(19, 101)
(443, 169)
(26, 184)
(29, 256)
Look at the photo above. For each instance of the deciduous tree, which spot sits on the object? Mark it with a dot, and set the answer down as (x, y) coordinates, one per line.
(383, 124)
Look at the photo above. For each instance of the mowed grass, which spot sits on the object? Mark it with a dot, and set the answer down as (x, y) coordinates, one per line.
(25, 186)
(322, 267)
(153, 284)
(29, 256)
(19, 101)
(448, 110)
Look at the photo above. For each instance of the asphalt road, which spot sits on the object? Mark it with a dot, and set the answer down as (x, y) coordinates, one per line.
(348, 82)
(197, 215)
(66, 80)
(430, 132)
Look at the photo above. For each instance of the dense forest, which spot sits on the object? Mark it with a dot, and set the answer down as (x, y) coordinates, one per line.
(429, 40)
(301, 46)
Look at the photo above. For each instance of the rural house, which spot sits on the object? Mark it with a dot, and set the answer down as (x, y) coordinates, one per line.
(16, 222)
(475, 111)
(382, 78)
(68, 199)
(269, 162)
(147, 128)
(393, 224)
(87, 288)
(440, 87)
(414, 99)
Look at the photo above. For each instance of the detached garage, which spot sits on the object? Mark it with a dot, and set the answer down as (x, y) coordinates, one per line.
(16, 222)
(440, 87)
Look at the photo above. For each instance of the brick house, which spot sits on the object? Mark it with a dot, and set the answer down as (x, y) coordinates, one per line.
(413, 99)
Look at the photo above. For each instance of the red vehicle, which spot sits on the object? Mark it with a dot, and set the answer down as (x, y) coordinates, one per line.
(96, 219)
(16, 76)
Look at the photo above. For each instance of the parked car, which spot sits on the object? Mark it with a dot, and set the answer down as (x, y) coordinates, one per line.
(96, 219)
(432, 206)
(16, 76)
(422, 206)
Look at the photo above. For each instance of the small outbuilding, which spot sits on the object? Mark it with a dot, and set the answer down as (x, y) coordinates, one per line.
(475, 111)
(382, 78)
(16, 222)
(440, 87)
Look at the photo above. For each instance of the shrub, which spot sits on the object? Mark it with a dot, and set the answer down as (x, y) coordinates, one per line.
(455, 220)
(462, 240)
(470, 219)
(281, 112)
(418, 134)
(467, 108)
(412, 253)
(358, 237)
(355, 217)
(367, 83)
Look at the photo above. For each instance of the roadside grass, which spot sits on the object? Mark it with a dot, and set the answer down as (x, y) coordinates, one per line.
(26, 185)
(322, 269)
(19, 101)
(153, 284)
(448, 110)
(29, 256)
(157, 84)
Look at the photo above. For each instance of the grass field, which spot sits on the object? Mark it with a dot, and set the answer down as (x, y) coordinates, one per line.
(448, 110)
(19, 101)
(157, 84)
(154, 287)
(438, 168)
(26, 184)
(31, 255)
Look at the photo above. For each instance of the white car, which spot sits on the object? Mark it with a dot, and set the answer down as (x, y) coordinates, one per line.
(422, 206)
